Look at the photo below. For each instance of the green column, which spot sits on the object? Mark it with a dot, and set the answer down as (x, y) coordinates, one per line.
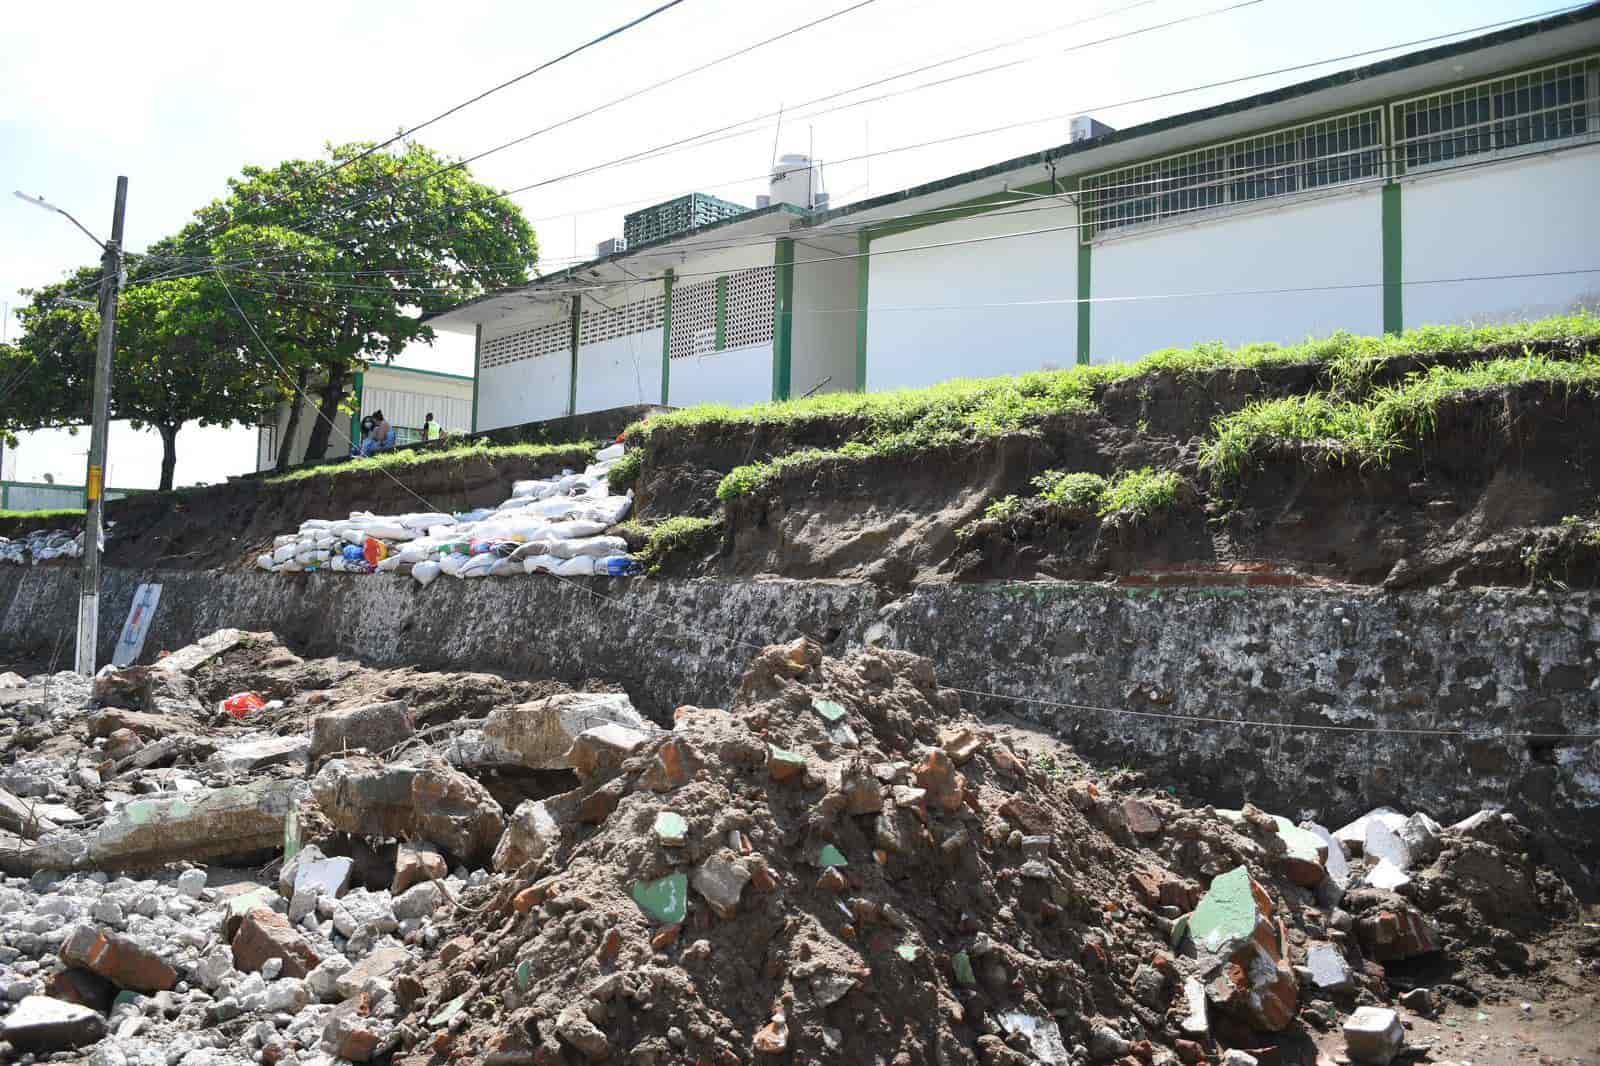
(477, 371)
(783, 319)
(361, 395)
(722, 312)
(1393, 260)
(666, 336)
(1085, 288)
(572, 377)
(863, 263)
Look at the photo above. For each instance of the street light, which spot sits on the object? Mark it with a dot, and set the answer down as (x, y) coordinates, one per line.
(99, 420)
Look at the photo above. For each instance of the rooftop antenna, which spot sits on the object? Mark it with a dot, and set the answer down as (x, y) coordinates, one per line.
(776, 132)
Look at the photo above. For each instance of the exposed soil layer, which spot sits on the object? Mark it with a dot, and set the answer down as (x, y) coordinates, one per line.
(1471, 504)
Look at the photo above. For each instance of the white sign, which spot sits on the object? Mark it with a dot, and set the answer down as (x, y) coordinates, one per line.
(131, 643)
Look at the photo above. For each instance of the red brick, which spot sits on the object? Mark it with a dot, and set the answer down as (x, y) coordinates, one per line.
(265, 934)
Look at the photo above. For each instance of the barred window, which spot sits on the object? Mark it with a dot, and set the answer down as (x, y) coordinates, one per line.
(1336, 150)
(1547, 104)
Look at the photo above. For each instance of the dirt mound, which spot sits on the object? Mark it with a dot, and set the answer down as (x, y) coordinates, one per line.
(841, 868)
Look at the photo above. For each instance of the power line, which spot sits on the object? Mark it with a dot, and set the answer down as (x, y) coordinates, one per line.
(546, 65)
(1009, 127)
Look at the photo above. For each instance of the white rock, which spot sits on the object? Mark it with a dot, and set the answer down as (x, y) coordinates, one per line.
(1354, 835)
(1384, 844)
(215, 968)
(1195, 1024)
(417, 901)
(1387, 876)
(324, 980)
(1329, 970)
(1420, 835)
(1336, 864)
(1235, 1057)
(192, 883)
(1372, 1035)
(289, 995)
(271, 969)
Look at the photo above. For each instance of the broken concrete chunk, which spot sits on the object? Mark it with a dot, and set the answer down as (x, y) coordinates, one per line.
(265, 934)
(376, 728)
(1196, 1023)
(365, 797)
(665, 899)
(1397, 932)
(671, 830)
(1354, 835)
(186, 659)
(1304, 854)
(40, 1025)
(381, 962)
(1373, 1036)
(539, 734)
(1387, 876)
(1421, 836)
(602, 750)
(23, 817)
(532, 831)
(248, 755)
(418, 901)
(1383, 844)
(1230, 914)
(119, 959)
(1141, 818)
(419, 862)
(1329, 970)
(721, 881)
(1335, 863)
(145, 726)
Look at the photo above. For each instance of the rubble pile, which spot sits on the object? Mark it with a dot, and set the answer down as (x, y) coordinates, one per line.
(550, 525)
(841, 866)
(41, 546)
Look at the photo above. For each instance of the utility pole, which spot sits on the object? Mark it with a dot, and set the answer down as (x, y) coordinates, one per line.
(100, 417)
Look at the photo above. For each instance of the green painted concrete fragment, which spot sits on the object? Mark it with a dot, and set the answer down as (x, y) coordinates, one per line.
(909, 952)
(1180, 929)
(525, 974)
(1302, 843)
(239, 906)
(962, 964)
(666, 900)
(671, 830)
(124, 999)
(449, 1011)
(1227, 915)
(793, 758)
(291, 834)
(832, 856)
(830, 710)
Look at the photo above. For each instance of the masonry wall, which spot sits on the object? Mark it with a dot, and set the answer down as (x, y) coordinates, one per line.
(1299, 666)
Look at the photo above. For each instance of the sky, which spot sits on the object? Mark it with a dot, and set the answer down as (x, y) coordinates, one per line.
(179, 96)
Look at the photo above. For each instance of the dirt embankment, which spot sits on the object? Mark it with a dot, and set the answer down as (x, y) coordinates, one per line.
(1480, 498)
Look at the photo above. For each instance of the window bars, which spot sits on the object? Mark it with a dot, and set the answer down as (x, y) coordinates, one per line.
(1551, 103)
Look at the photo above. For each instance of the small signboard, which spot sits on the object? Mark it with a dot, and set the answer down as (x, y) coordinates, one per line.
(137, 626)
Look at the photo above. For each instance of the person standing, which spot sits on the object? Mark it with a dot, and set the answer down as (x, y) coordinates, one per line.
(431, 430)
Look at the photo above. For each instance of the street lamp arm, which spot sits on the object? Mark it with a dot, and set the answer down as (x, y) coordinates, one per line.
(39, 201)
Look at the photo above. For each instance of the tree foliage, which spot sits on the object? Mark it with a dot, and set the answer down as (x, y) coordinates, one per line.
(394, 234)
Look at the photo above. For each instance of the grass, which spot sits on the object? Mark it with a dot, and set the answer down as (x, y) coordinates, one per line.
(57, 514)
(1138, 494)
(678, 533)
(626, 471)
(410, 460)
(1079, 492)
(1372, 430)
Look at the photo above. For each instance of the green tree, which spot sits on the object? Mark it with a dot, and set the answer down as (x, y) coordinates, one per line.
(181, 357)
(399, 233)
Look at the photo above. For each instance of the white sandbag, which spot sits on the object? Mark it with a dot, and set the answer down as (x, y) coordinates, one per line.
(536, 489)
(612, 451)
(425, 572)
(287, 538)
(576, 529)
(415, 552)
(516, 503)
(555, 507)
(353, 536)
(506, 568)
(388, 565)
(540, 564)
(316, 523)
(284, 552)
(479, 565)
(390, 531)
(441, 531)
(452, 564)
(265, 562)
(290, 567)
(578, 566)
(598, 547)
(426, 521)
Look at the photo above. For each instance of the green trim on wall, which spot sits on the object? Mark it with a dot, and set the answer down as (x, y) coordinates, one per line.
(477, 370)
(666, 335)
(783, 318)
(722, 312)
(355, 419)
(1393, 260)
(572, 376)
(863, 271)
(1085, 293)
(964, 209)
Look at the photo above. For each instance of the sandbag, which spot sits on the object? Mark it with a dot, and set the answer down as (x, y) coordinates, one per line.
(284, 552)
(425, 572)
(452, 564)
(426, 521)
(265, 562)
(578, 566)
(540, 564)
(611, 451)
(576, 529)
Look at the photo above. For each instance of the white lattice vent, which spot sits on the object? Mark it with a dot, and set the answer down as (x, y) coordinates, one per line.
(750, 304)
(547, 339)
(604, 324)
(694, 320)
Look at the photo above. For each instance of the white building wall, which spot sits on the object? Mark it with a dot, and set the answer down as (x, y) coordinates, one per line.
(737, 376)
(1525, 216)
(914, 336)
(1331, 241)
(620, 372)
(823, 338)
(529, 390)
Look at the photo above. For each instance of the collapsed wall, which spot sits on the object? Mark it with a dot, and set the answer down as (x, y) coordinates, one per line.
(1152, 678)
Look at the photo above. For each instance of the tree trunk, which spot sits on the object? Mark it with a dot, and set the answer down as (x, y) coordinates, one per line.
(169, 455)
(286, 445)
(328, 412)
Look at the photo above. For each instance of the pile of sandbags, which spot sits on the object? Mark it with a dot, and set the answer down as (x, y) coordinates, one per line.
(41, 546)
(549, 526)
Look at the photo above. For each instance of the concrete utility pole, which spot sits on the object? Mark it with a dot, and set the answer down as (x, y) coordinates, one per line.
(99, 416)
